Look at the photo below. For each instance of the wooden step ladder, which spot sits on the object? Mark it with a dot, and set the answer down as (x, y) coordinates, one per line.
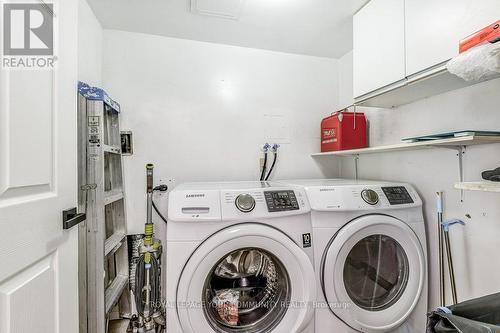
(103, 252)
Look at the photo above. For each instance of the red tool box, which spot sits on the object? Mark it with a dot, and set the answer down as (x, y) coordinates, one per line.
(343, 131)
(490, 34)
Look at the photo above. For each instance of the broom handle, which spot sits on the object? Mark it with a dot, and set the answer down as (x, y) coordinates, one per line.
(442, 296)
(450, 268)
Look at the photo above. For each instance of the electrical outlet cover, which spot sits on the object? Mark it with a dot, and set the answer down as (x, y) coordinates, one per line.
(276, 128)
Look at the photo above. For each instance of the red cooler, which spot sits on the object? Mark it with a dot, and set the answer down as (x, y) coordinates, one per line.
(343, 131)
(490, 34)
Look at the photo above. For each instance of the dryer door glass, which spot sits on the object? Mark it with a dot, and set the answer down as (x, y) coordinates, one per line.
(376, 272)
(247, 291)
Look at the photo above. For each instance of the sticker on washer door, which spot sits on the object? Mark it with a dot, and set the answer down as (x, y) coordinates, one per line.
(306, 240)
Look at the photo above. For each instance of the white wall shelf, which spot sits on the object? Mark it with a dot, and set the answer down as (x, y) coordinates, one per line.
(456, 142)
(485, 186)
(432, 82)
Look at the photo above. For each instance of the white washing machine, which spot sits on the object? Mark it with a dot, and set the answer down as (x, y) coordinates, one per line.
(370, 256)
(239, 259)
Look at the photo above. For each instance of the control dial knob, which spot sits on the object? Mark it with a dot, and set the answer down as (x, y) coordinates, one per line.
(370, 197)
(245, 203)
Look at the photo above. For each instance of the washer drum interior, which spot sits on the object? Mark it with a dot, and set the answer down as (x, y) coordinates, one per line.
(246, 291)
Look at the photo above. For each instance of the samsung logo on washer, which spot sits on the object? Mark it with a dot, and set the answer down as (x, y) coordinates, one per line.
(326, 189)
(195, 195)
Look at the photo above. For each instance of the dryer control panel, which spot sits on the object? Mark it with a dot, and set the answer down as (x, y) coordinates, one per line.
(363, 195)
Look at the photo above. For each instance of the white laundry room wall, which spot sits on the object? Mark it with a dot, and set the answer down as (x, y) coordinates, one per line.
(201, 111)
(345, 81)
(474, 246)
(90, 39)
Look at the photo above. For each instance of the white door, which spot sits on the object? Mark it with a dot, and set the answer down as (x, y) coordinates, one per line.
(373, 273)
(379, 46)
(247, 278)
(446, 23)
(38, 180)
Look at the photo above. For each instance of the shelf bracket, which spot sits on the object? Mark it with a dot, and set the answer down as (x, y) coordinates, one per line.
(461, 172)
(356, 165)
(460, 154)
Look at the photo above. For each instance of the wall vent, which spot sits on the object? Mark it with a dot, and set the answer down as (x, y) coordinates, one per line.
(227, 9)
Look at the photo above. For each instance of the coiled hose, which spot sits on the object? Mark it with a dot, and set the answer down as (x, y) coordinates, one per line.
(154, 283)
(136, 241)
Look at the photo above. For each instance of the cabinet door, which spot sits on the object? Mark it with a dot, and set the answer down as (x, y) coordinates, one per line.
(379, 45)
(435, 28)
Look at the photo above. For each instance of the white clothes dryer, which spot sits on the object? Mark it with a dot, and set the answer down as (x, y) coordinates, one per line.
(370, 256)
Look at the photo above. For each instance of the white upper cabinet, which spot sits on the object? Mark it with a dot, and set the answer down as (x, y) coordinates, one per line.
(435, 28)
(400, 42)
(379, 45)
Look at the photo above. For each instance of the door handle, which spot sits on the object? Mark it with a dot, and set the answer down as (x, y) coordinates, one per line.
(72, 218)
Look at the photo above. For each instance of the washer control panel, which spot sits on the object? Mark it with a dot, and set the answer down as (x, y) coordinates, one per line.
(370, 197)
(245, 203)
(397, 195)
(238, 201)
(281, 201)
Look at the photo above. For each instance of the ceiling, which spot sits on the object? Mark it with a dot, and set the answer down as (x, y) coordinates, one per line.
(312, 27)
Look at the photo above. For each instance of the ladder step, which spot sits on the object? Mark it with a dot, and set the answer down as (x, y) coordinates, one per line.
(112, 149)
(114, 291)
(112, 196)
(113, 243)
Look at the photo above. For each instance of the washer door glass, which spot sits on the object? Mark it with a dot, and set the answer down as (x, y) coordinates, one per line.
(376, 272)
(247, 291)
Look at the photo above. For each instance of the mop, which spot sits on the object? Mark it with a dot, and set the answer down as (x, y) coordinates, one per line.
(446, 233)
(147, 280)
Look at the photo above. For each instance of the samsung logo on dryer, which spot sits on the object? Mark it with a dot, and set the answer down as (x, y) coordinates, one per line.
(196, 195)
(326, 189)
